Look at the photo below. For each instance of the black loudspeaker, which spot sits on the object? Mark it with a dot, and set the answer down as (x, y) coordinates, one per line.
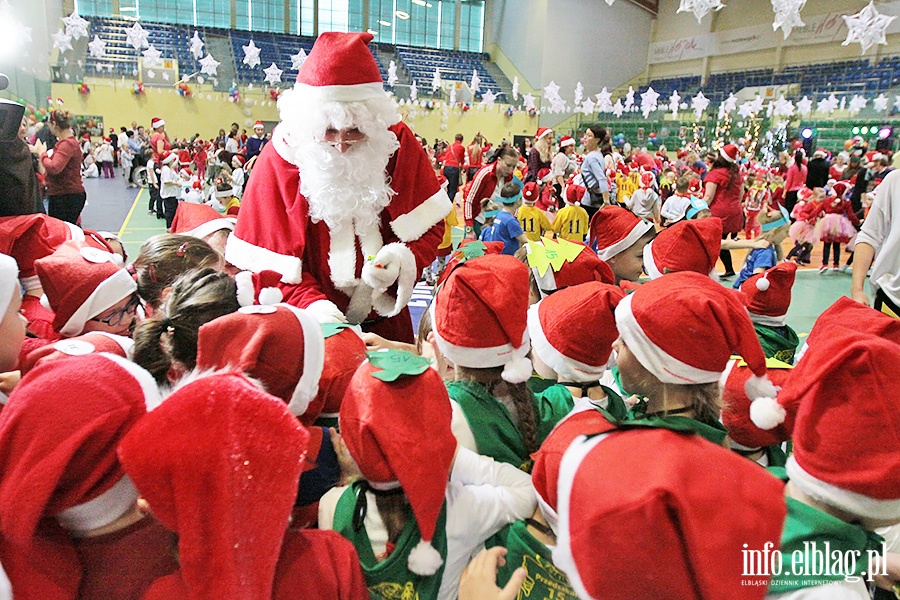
(885, 145)
(808, 145)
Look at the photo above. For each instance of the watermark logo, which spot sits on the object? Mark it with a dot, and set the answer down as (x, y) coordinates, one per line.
(816, 563)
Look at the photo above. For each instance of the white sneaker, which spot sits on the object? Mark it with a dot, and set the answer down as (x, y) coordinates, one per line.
(823, 269)
(846, 268)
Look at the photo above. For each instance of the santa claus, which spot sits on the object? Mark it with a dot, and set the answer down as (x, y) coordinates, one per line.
(344, 203)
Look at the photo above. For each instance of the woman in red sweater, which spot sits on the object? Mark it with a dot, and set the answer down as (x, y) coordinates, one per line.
(65, 191)
(794, 180)
(724, 190)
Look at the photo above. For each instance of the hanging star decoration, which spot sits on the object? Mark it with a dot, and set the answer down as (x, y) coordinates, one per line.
(745, 110)
(730, 103)
(436, 80)
(551, 91)
(700, 8)
(699, 104)
(587, 106)
(97, 47)
(783, 107)
(515, 88)
(209, 65)
(579, 93)
(413, 91)
(649, 102)
(136, 37)
(151, 74)
(298, 59)
(604, 101)
(843, 103)
(804, 106)
(629, 99)
(62, 41)
(488, 98)
(452, 95)
(880, 103)
(857, 103)
(867, 27)
(151, 56)
(251, 55)
(674, 101)
(392, 73)
(787, 15)
(475, 83)
(273, 74)
(76, 26)
(528, 101)
(618, 108)
(196, 46)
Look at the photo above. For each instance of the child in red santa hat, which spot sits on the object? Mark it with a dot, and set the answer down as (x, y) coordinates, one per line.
(837, 226)
(425, 504)
(556, 265)
(619, 238)
(645, 202)
(203, 222)
(805, 214)
(219, 465)
(768, 297)
(533, 219)
(689, 245)
(479, 318)
(571, 222)
(70, 522)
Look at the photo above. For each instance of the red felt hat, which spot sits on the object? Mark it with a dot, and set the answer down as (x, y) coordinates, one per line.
(695, 186)
(743, 432)
(647, 179)
(840, 188)
(615, 229)
(846, 388)
(80, 282)
(769, 294)
(281, 346)
(399, 443)
(530, 193)
(258, 124)
(585, 267)
(696, 502)
(169, 158)
(542, 132)
(863, 318)
(460, 256)
(566, 140)
(199, 220)
(92, 342)
(340, 67)
(685, 246)
(30, 237)
(479, 316)
(574, 193)
(58, 467)
(344, 352)
(184, 157)
(156, 122)
(258, 288)
(219, 462)
(729, 152)
(573, 330)
(241, 159)
(653, 319)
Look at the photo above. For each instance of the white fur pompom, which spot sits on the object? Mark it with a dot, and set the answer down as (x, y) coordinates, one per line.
(518, 370)
(424, 559)
(270, 295)
(244, 281)
(760, 387)
(762, 284)
(767, 413)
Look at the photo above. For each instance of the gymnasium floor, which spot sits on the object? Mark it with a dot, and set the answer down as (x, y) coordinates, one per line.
(113, 207)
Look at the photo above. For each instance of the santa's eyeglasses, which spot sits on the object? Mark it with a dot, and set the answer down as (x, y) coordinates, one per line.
(340, 137)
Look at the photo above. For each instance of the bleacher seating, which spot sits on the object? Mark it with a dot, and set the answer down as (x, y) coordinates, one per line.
(453, 65)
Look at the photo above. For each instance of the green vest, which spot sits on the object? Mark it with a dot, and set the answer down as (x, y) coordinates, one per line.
(543, 581)
(550, 407)
(778, 346)
(713, 432)
(390, 579)
(806, 528)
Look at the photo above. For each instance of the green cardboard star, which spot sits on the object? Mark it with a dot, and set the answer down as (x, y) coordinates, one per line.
(397, 363)
(330, 329)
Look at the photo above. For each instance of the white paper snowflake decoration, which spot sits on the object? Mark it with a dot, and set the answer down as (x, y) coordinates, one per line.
(436, 80)
(151, 57)
(273, 74)
(787, 15)
(783, 107)
(730, 103)
(413, 91)
(515, 88)
(649, 101)
(209, 65)
(151, 73)
(604, 101)
(251, 55)
(196, 46)
(579, 93)
(629, 99)
(867, 27)
(166, 76)
(392, 74)
(298, 59)
(62, 41)
(700, 8)
(674, 101)
(452, 95)
(551, 91)
(528, 101)
(76, 26)
(804, 106)
(587, 106)
(97, 47)
(488, 98)
(880, 103)
(618, 108)
(699, 104)
(857, 103)
(136, 37)
(475, 83)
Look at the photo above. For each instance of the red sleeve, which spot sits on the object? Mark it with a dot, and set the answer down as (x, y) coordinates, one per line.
(717, 176)
(481, 189)
(63, 152)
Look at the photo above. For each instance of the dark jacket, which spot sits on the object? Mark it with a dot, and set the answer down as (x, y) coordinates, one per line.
(817, 174)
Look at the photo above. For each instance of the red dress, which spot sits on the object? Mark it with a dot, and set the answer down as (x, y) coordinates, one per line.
(726, 204)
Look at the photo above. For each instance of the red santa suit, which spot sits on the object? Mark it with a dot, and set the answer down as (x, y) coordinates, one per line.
(328, 271)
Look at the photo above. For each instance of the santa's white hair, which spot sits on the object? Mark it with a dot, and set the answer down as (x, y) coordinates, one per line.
(348, 188)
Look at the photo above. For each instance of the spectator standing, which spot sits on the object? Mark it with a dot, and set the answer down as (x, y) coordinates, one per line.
(65, 190)
(818, 170)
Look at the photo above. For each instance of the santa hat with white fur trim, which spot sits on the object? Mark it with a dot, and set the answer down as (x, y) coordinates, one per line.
(653, 319)
(769, 294)
(542, 132)
(846, 387)
(729, 152)
(341, 68)
(398, 432)
(685, 246)
(615, 229)
(92, 342)
(585, 267)
(479, 316)
(281, 346)
(199, 220)
(156, 122)
(566, 140)
(9, 282)
(258, 288)
(60, 464)
(80, 282)
(572, 331)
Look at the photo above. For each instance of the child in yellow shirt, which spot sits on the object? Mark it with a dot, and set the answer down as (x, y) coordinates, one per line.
(533, 220)
(571, 222)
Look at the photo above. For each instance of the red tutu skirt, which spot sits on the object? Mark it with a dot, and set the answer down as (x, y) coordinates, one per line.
(835, 228)
(803, 233)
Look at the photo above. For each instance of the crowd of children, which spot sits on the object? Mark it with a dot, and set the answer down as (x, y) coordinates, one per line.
(604, 435)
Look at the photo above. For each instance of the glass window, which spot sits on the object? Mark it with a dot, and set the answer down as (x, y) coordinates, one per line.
(212, 13)
(471, 26)
(307, 18)
(94, 8)
(333, 15)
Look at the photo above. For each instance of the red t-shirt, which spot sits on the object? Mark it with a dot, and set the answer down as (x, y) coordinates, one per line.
(454, 156)
(63, 168)
(726, 204)
(154, 144)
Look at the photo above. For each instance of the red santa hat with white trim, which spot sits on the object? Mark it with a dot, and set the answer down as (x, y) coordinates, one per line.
(530, 193)
(80, 282)
(697, 502)
(566, 140)
(281, 346)
(615, 229)
(653, 319)
(219, 462)
(340, 67)
(405, 445)
(59, 473)
(542, 132)
(479, 316)
(184, 157)
(156, 122)
(92, 342)
(584, 268)
(744, 434)
(574, 193)
(769, 294)
(199, 220)
(573, 330)
(729, 152)
(258, 288)
(685, 246)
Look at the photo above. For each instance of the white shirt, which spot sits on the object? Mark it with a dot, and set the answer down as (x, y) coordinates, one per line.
(881, 233)
(482, 496)
(231, 144)
(169, 182)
